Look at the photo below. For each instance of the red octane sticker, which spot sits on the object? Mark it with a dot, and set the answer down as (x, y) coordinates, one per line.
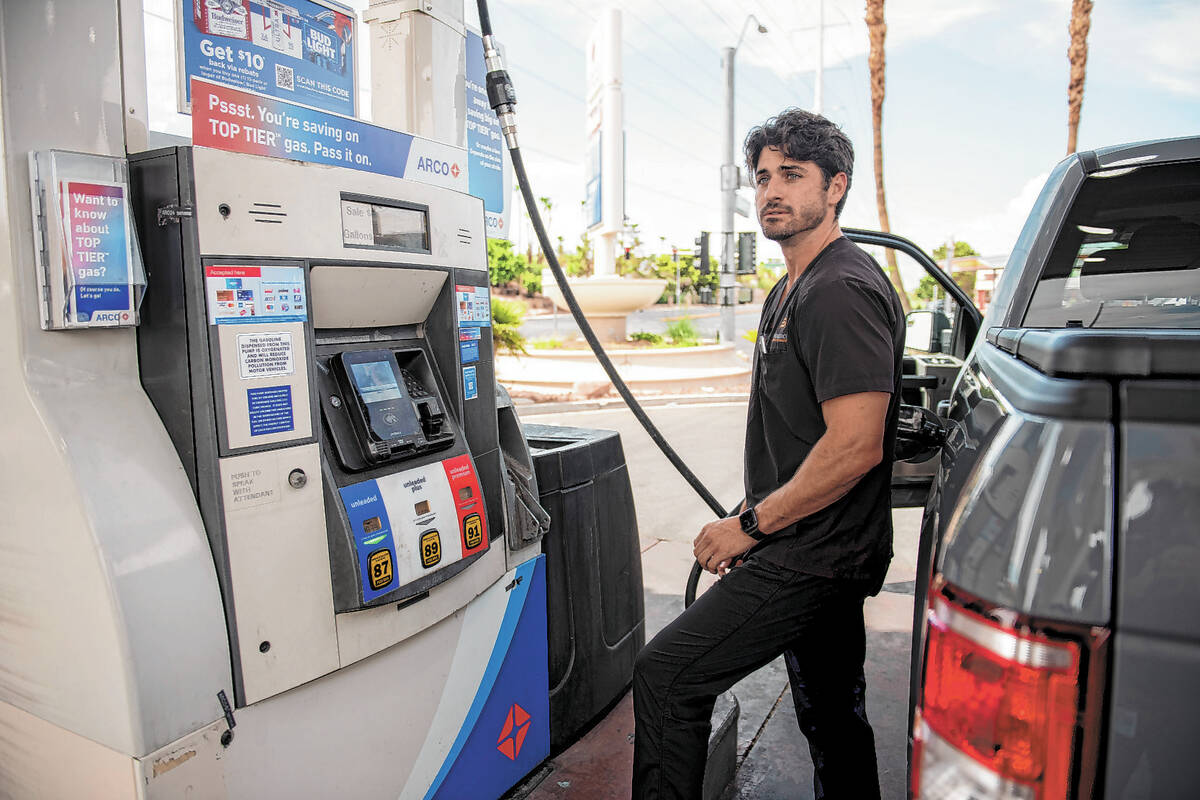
(468, 503)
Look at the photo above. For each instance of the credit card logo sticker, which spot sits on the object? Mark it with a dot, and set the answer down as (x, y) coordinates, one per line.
(431, 548)
(473, 531)
(380, 569)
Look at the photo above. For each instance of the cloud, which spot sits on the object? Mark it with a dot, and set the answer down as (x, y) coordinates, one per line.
(996, 232)
(846, 31)
(1160, 44)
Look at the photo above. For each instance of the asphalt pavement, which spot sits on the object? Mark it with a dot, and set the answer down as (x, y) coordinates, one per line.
(773, 757)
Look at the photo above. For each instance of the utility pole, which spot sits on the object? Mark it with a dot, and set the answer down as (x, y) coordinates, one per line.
(818, 90)
(730, 177)
(819, 83)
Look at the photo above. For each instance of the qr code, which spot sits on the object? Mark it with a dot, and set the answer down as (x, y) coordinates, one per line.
(284, 78)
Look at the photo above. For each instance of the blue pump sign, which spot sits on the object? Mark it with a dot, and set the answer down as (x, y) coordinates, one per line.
(300, 51)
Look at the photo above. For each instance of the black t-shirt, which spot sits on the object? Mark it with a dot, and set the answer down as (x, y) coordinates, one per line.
(839, 331)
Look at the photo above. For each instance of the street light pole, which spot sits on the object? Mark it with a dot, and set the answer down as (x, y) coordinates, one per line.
(730, 179)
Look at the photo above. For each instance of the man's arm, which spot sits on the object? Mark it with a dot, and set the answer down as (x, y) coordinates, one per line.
(851, 445)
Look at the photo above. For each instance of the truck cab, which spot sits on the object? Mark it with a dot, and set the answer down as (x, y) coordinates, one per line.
(1054, 655)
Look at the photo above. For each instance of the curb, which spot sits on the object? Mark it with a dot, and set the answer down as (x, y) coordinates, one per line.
(526, 407)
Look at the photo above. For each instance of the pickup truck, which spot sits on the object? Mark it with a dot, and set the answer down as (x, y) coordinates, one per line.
(1056, 642)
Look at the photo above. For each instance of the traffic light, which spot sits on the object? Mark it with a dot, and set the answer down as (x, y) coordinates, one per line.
(628, 252)
(747, 250)
(702, 260)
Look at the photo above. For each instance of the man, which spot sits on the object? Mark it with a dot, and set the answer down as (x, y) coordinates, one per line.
(814, 535)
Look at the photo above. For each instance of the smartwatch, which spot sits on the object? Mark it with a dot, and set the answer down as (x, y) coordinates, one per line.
(749, 523)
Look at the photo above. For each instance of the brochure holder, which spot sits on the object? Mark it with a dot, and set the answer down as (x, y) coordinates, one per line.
(90, 272)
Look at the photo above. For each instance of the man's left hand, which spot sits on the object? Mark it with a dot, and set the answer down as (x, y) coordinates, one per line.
(719, 543)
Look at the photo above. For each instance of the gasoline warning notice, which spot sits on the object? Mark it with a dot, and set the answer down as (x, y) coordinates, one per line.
(264, 355)
(98, 252)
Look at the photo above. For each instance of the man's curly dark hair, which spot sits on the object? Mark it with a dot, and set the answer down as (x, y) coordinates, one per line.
(804, 136)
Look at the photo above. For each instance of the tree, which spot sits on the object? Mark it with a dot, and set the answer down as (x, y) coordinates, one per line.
(961, 250)
(877, 30)
(1081, 23)
(965, 278)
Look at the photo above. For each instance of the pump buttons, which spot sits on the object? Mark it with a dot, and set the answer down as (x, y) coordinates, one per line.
(297, 479)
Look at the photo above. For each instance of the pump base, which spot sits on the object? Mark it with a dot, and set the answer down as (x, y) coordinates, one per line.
(600, 765)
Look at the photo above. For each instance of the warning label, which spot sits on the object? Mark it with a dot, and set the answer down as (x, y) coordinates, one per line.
(264, 355)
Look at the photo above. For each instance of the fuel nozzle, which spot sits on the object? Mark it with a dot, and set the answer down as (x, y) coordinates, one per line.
(500, 91)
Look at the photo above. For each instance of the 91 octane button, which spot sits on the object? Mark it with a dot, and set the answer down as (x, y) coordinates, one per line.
(473, 531)
(431, 548)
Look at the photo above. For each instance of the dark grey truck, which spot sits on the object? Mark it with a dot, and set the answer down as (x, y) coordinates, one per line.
(1056, 647)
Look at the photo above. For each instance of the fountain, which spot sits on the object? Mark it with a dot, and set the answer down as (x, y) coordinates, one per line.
(606, 298)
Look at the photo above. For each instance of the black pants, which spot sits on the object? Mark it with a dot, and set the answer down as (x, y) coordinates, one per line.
(757, 611)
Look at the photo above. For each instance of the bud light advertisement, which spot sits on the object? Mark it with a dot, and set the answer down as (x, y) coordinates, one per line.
(300, 51)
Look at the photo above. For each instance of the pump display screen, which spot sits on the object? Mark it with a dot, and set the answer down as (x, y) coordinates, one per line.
(383, 226)
(375, 381)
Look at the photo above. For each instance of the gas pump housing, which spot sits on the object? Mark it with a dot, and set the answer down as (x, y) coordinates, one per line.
(268, 300)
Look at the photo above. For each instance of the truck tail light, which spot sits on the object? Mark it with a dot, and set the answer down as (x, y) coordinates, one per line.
(998, 710)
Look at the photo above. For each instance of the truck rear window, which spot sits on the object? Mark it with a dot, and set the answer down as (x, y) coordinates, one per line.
(1129, 254)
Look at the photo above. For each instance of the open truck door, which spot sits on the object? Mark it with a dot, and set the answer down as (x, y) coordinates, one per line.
(938, 339)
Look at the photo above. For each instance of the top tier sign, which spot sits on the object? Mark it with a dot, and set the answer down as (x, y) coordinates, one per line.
(301, 51)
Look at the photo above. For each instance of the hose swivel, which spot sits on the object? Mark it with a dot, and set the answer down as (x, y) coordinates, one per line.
(500, 92)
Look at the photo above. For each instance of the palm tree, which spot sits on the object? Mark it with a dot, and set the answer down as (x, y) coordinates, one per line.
(1081, 23)
(877, 30)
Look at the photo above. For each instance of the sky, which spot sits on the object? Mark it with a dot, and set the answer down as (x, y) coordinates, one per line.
(974, 118)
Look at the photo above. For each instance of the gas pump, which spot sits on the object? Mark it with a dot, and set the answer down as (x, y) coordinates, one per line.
(271, 528)
(312, 341)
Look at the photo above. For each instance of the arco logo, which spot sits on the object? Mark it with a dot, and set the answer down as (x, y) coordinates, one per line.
(512, 735)
(437, 167)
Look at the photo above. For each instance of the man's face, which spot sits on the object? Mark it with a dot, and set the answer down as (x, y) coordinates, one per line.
(791, 195)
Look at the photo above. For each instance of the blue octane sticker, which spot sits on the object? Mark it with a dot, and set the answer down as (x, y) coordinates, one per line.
(373, 542)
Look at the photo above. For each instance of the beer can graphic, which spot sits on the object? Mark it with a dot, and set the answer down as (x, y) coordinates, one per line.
(228, 18)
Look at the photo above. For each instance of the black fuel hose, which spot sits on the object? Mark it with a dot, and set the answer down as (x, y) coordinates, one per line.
(503, 102)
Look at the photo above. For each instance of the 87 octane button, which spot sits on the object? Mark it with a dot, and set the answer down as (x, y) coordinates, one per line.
(379, 569)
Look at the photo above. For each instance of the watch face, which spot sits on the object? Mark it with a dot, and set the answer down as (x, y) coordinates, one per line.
(749, 520)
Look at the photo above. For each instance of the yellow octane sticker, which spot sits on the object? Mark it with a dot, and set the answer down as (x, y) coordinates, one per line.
(379, 569)
(473, 531)
(431, 548)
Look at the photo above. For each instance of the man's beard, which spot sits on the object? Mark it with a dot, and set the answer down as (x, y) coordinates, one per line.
(805, 220)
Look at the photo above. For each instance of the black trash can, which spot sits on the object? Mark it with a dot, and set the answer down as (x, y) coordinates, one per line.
(596, 611)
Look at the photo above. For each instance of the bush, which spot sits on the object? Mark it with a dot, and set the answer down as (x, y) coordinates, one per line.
(506, 266)
(646, 336)
(683, 332)
(506, 323)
